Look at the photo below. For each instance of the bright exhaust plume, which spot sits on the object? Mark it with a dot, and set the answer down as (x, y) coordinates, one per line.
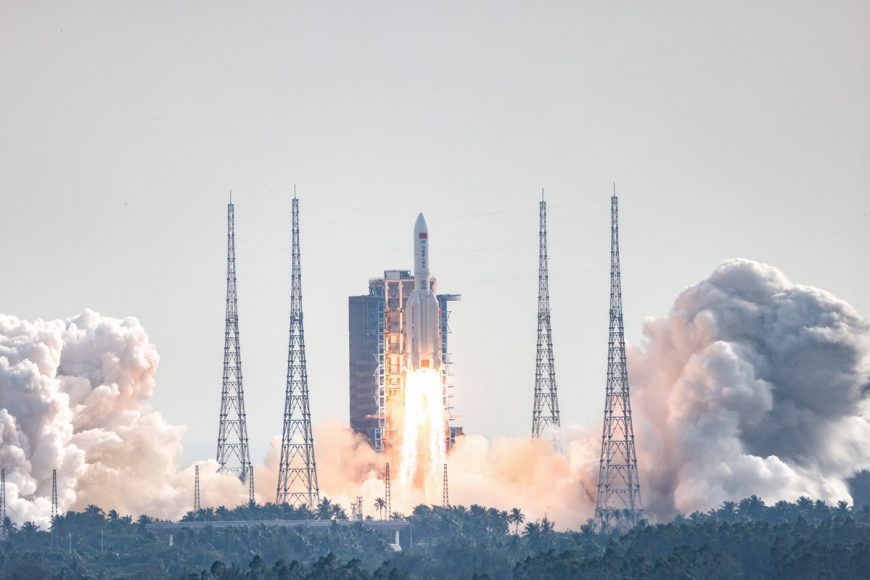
(423, 449)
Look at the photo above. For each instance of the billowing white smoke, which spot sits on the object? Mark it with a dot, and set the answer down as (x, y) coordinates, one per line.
(74, 396)
(752, 385)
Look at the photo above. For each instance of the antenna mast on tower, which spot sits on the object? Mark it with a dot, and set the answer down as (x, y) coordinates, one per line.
(233, 455)
(297, 470)
(618, 502)
(545, 414)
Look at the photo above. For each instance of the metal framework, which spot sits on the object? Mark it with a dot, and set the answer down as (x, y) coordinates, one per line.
(2, 503)
(618, 504)
(545, 412)
(387, 495)
(391, 292)
(445, 490)
(54, 507)
(197, 505)
(233, 455)
(356, 509)
(297, 470)
(444, 301)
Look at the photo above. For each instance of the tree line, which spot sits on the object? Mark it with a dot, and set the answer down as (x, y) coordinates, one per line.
(750, 539)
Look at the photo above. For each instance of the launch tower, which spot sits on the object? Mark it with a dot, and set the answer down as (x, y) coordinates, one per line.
(233, 455)
(377, 351)
(618, 503)
(297, 470)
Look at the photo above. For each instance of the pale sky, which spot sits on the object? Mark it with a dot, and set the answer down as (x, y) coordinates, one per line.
(738, 129)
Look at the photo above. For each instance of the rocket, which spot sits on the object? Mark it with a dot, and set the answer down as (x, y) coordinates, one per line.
(422, 332)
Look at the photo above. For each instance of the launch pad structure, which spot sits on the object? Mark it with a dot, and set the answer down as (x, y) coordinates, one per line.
(377, 355)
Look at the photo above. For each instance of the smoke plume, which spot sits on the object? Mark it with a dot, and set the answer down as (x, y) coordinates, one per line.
(752, 385)
(74, 397)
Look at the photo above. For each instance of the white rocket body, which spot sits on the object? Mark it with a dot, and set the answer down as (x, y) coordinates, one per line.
(422, 321)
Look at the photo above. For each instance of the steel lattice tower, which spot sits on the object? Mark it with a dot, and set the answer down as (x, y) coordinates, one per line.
(445, 498)
(357, 509)
(54, 509)
(3, 503)
(387, 493)
(196, 501)
(233, 455)
(545, 414)
(297, 471)
(618, 503)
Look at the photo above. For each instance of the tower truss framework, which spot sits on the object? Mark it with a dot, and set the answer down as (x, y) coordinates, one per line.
(2, 503)
(618, 503)
(387, 493)
(233, 454)
(297, 470)
(54, 506)
(545, 413)
(197, 504)
(445, 490)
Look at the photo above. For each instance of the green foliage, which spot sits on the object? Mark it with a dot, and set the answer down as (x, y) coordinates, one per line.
(804, 539)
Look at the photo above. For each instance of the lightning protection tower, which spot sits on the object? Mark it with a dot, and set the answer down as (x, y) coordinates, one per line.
(545, 413)
(197, 505)
(387, 494)
(445, 490)
(618, 503)
(233, 455)
(54, 510)
(3, 503)
(297, 470)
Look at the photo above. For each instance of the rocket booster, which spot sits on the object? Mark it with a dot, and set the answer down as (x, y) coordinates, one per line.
(422, 332)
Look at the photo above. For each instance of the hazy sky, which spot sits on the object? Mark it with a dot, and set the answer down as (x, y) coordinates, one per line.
(731, 129)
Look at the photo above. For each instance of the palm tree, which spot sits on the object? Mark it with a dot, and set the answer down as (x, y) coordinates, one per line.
(843, 507)
(29, 529)
(547, 526)
(516, 517)
(95, 512)
(532, 529)
(380, 505)
(338, 512)
(324, 509)
(728, 509)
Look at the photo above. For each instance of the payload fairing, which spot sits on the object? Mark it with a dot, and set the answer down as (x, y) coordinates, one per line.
(422, 321)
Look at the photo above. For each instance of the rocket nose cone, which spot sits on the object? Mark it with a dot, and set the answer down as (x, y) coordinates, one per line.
(421, 226)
